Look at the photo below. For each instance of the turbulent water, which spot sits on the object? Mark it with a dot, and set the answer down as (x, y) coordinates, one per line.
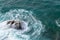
(42, 18)
(34, 26)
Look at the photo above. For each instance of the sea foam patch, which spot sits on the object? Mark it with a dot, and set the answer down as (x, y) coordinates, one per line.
(10, 33)
(58, 22)
(31, 27)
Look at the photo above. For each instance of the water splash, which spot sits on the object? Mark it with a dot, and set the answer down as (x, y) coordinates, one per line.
(34, 26)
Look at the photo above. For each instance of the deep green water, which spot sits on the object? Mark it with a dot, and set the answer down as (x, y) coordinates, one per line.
(47, 11)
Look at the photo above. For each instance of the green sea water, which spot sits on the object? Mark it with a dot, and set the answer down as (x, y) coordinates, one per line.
(47, 11)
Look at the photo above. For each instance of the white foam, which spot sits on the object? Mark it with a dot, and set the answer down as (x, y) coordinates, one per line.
(58, 23)
(25, 17)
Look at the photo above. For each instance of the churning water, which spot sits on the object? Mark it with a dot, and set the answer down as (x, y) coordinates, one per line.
(34, 26)
(42, 18)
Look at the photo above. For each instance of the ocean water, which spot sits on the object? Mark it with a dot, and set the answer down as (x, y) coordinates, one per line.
(42, 17)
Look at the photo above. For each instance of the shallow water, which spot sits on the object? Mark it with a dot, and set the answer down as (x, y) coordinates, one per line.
(42, 16)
